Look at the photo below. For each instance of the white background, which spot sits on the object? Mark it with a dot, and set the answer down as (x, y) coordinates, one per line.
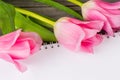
(61, 64)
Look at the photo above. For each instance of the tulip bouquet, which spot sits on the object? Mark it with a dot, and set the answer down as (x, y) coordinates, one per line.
(24, 32)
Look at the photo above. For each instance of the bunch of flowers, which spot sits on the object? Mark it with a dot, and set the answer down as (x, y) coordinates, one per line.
(24, 32)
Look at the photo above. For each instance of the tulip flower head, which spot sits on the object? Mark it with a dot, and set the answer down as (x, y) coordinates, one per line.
(19, 45)
(107, 12)
(78, 35)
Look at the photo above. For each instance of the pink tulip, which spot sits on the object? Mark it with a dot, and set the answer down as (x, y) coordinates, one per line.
(78, 35)
(107, 12)
(19, 45)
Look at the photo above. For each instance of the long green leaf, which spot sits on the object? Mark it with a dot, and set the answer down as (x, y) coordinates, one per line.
(41, 23)
(27, 25)
(7, 15)
(40, 18)
(60, 7)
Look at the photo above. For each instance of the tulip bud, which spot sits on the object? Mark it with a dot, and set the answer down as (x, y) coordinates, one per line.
(107, 12)
(78, 35)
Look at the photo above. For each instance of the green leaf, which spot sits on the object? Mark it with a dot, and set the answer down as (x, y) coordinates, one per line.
(39, 17)
(60, 7)
(41, 23)
(26, 24)
(7, 15)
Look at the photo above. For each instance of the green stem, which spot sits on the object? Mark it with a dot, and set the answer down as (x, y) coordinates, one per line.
(76, 2)
(36, 16)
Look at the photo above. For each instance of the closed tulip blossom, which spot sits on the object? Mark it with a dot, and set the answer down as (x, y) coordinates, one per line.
(78, 35)
(105, 11)
(18, 45)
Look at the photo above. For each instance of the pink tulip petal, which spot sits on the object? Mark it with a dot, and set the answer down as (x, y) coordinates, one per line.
(97, 24)
(89, 33)
(88, 44)
(96, 15)
(6, 41)
(20, 50)
(91, 28)
(115, 5)
(68, 34)
(20, 67)
(114, 20)
(75, 21)
(6, 57)
(114, 11)
(87, 49)
(96, 40)
(34, 40)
